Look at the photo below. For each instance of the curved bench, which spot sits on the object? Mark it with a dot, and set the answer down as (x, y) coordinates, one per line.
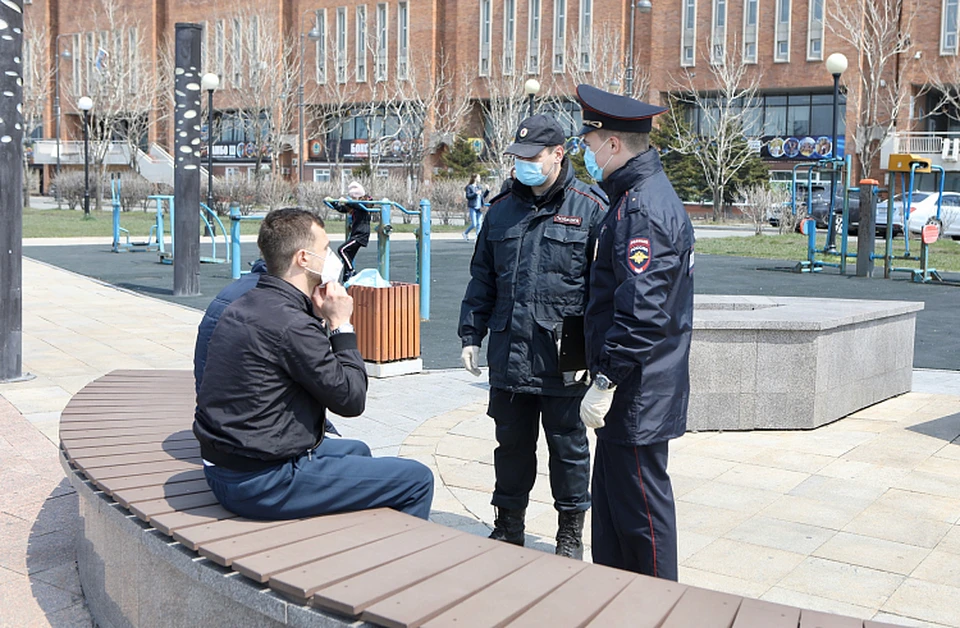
(157, 549)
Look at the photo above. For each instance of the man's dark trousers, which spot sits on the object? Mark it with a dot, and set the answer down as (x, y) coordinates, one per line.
(634, 516)
(338, 476)
(517, 417)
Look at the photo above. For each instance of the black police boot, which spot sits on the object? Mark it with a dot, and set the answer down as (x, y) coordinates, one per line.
(569, 534)
(508, 526)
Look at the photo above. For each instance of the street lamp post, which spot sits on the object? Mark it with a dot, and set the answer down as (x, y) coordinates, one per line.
(85, 104)
(531, 87)
(836, 65)
(56, 103)
(314, 35)
(209, 83)
(643, 6)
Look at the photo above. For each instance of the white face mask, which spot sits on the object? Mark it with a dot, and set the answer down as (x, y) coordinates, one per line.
(332, 267)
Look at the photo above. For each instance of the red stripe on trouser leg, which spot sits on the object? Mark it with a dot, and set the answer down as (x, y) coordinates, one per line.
(653, 539)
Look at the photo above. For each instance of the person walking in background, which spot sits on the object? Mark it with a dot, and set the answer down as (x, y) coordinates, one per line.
(638, 329)
(359, 235)
(508, 182)
(475, 197)
(528, 288)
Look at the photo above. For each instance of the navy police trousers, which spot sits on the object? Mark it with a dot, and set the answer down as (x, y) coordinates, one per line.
(338, 476)
(634, 518)
(518, 418)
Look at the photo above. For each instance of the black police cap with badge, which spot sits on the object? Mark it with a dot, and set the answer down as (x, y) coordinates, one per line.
(534, 134)
(613, 112)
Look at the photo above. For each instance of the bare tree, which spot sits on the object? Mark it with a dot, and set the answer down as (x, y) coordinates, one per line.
(119, 78)
(761, 202)
(37, 79)
(725, 107)
(504, 108)
(879, 31)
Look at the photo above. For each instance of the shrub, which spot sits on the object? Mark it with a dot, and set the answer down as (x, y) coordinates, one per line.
(69, 185)
(134, 190)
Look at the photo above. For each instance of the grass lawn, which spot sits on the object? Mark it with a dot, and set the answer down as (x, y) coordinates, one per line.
(67, 223)
(944, 255)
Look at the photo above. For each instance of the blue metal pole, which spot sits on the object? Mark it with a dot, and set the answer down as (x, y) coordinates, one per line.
(424, 270)
(383, 242)
(116, 216)
(161, 238)
(235, 242)
(173, 221)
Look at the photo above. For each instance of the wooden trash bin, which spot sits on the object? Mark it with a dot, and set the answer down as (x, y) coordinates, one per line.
(387, 321)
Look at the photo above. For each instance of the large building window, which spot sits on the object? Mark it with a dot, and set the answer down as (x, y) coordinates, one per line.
(89, 55)
(361, 42)
(320, 46)
(76, 66)
(751, 15)
(586, 35)
(718, 48)
(236, 60)
(403, 40)
(815, 31)
(781, 35)
(341, 59)
(784, 116)
(533, 38)
(383, 28)
(688, 40)
(509, 36)
(559, 35)
(220, 47)
(948, 27)
(255, 62)
(486, 35)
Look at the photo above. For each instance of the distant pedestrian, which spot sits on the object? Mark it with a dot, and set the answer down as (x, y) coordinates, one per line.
(508, 182)
(475, 196)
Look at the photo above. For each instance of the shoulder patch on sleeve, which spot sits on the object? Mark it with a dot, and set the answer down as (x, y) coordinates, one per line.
(639, 254)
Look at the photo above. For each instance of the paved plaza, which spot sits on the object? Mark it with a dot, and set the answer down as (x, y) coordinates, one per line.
(860, 517)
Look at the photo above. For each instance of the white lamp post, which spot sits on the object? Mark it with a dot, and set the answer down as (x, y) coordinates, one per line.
(209, 82)
(836, 65)
(531, 88)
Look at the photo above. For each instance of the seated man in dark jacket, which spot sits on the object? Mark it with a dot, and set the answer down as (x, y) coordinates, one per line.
(272, 371)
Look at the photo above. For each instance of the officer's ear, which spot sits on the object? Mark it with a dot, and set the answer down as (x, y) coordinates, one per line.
(615, 143)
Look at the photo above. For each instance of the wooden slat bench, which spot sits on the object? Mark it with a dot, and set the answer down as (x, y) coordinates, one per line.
(127, 445)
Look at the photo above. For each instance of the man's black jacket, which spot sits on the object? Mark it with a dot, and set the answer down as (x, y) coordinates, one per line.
(271, 373)
(529, 271)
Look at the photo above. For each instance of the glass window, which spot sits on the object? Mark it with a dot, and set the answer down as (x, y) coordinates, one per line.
(403, 40)
(533, 38)
(380, 70)
(320, 46)
(559, 34)
(361, 51)
(781, 40)
(586, 35)
(510, 35)
(948, 28)
(815, 31)
(688, 39)
(798, 116)
(485, 36)
(750, 15)
(341, 44)
(719, 48)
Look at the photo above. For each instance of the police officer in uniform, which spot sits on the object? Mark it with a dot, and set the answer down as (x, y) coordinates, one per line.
(638, 328)
(529, 275)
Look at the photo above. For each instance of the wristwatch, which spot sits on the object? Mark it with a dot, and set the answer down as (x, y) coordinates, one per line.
(346, 328)
(602, 382)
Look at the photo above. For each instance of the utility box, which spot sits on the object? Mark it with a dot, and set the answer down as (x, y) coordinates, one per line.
(387, 323)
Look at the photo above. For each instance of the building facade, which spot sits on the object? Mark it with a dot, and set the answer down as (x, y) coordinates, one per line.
(386, 86)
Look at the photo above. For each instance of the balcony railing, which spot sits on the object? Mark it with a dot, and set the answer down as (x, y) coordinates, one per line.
(922, 143)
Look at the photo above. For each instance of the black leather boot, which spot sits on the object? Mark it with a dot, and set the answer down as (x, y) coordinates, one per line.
(508, 526)
(569, 534)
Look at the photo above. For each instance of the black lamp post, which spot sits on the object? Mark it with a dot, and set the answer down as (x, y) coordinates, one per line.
(531, 87)
(56, 103)
(836, 65)
(85, 104)
(314, 35)
(643, 6)
(209, 83)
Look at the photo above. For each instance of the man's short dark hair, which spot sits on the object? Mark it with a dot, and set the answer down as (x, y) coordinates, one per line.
(283, 232)
(636, 142)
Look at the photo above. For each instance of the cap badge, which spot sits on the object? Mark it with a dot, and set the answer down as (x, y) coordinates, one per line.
(523, 132)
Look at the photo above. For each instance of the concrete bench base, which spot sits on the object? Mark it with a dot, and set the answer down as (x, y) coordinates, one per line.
(795, 363)
(132, 575)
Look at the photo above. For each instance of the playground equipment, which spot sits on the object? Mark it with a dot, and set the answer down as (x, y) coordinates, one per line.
(151, 243)
(835, 228)
(905, 167)
(166, 207)
(384, 207)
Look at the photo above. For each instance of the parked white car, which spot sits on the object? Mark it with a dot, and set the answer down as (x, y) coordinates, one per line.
(922, 206)
(949, 214)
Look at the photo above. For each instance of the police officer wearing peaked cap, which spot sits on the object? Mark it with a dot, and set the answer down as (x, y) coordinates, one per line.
(638, 327)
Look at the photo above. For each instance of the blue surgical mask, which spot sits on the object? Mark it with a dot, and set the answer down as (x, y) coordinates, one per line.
(530, 172)
(593, 168)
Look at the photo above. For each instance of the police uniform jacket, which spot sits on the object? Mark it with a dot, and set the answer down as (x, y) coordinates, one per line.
(530, 270)
(640, 314)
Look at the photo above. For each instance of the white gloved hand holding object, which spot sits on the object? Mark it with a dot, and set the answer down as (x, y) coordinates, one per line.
(595, 405)
(470, 356)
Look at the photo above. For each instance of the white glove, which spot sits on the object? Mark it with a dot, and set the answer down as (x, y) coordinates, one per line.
(595, 405)
(470, 356)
